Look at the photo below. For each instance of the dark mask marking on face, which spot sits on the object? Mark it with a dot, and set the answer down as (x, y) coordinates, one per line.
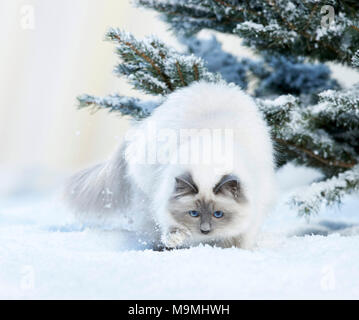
(206, 208)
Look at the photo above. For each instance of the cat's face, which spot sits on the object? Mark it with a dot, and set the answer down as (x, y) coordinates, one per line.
(210, 213)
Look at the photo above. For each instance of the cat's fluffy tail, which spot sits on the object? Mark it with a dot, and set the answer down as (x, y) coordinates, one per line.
(103, 188)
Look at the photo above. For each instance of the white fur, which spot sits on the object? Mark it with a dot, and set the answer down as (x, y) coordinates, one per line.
(199, 106)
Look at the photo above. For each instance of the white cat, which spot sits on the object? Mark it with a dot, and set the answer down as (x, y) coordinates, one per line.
(198, 170)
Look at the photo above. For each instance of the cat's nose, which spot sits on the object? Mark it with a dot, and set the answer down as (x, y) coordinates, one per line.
(205, 227)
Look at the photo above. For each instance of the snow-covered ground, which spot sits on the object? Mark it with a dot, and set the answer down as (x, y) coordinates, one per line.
(45, 253)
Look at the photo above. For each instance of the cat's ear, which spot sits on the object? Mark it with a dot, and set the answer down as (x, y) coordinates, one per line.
(229, 185)
(184, 185)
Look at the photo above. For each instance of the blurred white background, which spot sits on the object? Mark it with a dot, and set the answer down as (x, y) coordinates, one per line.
(53, 51)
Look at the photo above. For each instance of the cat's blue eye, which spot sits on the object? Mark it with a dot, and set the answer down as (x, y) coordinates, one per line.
(193, 213)
(218, 214)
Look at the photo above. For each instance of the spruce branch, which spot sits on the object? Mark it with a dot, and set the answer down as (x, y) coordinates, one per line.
(338, 109)
(153, 67)
(355, 59)
(133, 107)
(189, 17)
(328, 192)
(277, 112)
(303, 32)
(311, 154)
(288, 26)
(292, 129)
(312, 11)
(139, 57)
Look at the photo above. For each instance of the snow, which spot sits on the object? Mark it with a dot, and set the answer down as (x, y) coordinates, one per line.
(45, 254)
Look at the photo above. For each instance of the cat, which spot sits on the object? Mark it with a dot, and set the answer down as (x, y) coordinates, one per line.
(200, 169)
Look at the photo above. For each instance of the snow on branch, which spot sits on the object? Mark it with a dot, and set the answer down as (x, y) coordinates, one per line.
(155, 68)
(355, 59)
(280, 26)
(271, 33)
(189, 17)
(329, 192)
(339, 108)
(277, 111)
(134, 107)
(292, 129)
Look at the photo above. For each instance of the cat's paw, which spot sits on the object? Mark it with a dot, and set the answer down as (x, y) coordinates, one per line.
(175, 238)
